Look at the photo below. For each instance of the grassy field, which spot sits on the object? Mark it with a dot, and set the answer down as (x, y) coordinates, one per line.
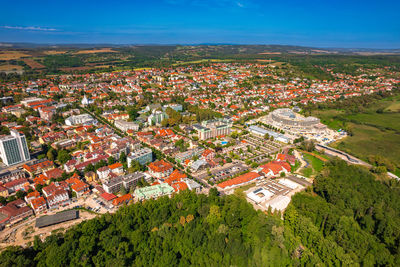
(368, 141)
(315, 166)
(383, 121)
(376, 130)
(328, 117)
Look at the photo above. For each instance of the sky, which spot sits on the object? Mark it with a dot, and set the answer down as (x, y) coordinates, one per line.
(319, 23)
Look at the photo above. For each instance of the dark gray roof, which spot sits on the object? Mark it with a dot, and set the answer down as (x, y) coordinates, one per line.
(57, 218)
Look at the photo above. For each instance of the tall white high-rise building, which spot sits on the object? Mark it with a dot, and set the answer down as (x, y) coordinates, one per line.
(14, 149)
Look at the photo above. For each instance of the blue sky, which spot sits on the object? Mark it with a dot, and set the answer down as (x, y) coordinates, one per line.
(323, 23)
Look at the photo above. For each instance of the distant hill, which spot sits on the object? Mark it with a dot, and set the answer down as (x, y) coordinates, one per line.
(235, 48)
(32, 59)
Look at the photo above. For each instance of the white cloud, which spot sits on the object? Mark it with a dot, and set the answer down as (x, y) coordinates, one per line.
(239, 4)
(28, 28)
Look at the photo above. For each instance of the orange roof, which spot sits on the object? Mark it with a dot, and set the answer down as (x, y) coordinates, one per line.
(33, 194)
(80, 186)
(72, 180)
(160, 166)
(240, 179)
(180, 186)
(176, 175)
(35, 167)
(54, 173)
(275, 167)
(41, 179)
(38, 202)
(122, 199)
(115, 165)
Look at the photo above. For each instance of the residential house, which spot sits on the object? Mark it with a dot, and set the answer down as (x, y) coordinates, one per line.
(160, 169)
(16, 185)
(58, 198)
(38, 204)
(274, 168)
(14, 212)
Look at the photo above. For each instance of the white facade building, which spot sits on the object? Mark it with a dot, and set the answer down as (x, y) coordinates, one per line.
(14, 148)
(80, 119)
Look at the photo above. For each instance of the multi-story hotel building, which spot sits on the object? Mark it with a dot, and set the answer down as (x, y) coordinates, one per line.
(14, 149)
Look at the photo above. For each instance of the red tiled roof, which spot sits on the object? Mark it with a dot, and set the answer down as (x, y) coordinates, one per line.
(42, 165)
(108, 196)
(275, 167)
(54, 173)
(80, 186)
(240, 179)
(38, 202)
(115, 165)
(15, 182)
(176, 175)
(123, 199)
(160, 166)
(180, 186)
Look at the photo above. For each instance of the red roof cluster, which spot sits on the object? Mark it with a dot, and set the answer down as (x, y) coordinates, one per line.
(160, 166)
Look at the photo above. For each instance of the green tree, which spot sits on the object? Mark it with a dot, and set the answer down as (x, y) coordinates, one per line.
(110, 160)
(51, 154)
(63, 156)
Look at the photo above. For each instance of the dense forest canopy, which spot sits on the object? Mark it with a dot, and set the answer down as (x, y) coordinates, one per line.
(347, 218)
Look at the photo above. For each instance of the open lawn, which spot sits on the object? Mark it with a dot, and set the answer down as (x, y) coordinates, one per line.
(394, 107)
(328, 117)
(390, 121)
(369, 140)
(314, 167)
(315, 163)
(307, 172)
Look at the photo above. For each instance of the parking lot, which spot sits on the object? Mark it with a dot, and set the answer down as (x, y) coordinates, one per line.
(263, 145)
(220, 173)
(96, 204)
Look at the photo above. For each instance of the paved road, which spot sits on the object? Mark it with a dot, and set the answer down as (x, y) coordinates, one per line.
(348, 158)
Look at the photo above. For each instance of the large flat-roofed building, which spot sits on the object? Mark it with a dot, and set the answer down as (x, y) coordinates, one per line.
(154, 191)
(182, 156)
(114, 185)
(212, 129)
(60, 217)
(142, 155)
(293, 122)
(156, 117)
(14, 148)
(85, 119)
(176, 107)
(11, 175)
(286, 116)
(262, 132)
(126, 125)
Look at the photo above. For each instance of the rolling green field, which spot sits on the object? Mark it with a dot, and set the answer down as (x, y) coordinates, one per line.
(369, 141)
(375, 129)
